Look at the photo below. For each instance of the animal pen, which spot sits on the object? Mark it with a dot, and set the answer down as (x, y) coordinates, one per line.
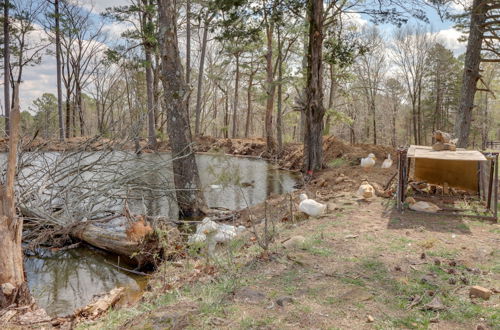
(463, 176)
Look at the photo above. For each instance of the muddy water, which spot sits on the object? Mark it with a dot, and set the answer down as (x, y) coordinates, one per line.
(65, 280)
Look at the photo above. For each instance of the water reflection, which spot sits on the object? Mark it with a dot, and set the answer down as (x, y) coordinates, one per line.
(56, 181)
(63, 281)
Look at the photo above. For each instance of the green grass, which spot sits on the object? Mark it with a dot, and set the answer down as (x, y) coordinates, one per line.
(337, 162)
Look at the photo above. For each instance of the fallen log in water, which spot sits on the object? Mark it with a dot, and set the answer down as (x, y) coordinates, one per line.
(118, 237)
(111, 241)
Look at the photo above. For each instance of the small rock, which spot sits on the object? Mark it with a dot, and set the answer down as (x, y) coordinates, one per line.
(8, 288)
(437, 262)
(480, 327)
(435, 305)
(431, 293)
(452, 281)
(370, 319)
(282, 301)
(249, 295)
(294, 242)
(479, 291)
(423, 256)
(476, 271)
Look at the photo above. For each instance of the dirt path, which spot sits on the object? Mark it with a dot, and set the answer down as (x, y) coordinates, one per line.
(363, 265)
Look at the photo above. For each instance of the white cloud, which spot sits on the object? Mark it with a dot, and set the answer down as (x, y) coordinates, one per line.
(449, 38)
(114, 30)
(98, 6)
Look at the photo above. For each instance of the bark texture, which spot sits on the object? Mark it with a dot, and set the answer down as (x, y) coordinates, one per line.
(59, 78)
(6, 63)
(187, 181)
(11, 227)
(314, 110)
(471, 72)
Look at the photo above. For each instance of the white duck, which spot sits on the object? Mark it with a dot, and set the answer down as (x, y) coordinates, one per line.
(422, 206)
(366, 190)
(387, 162)
(368, 162)
(310, 206)
(212, 233)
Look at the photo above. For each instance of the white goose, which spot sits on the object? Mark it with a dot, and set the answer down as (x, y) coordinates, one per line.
(387, 162)
(310, 206)
(368, 162)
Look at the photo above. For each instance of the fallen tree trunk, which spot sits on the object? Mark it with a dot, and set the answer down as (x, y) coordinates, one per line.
(139, 249)
(111, 241)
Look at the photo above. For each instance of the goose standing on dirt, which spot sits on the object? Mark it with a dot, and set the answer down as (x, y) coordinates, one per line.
(368, 162)
(387, 162)
(310, 206)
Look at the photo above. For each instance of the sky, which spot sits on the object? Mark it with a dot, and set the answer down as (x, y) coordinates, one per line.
(41, 78)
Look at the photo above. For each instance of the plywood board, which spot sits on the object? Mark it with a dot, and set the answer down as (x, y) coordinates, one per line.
(461, 174)
(460, 154)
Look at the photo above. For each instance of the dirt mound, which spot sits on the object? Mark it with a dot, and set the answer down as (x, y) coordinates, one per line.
(333, 148)
(243, 147)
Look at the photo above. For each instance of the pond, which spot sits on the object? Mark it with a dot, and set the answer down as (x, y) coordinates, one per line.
(65, 280)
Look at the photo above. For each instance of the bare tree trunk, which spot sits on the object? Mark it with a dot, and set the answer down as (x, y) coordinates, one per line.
(326, 130)
(6, 64)
(249, 102)
(58, 64)
(226, 114)
(414, 119)
(200, 77)
(471, 72)
(150, 99)
(268, 126)
(279, 119)
(374, 118)
(11, 227)
(68, 113)
(79, 103)
(236, 92)
(394, 113)
(187, 181)
(419, 113)
(315, 110)
(188, 47)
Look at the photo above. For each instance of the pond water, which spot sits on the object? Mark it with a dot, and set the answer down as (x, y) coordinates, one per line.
(65, 280)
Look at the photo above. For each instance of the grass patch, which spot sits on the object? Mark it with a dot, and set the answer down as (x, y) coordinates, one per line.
(337, 162)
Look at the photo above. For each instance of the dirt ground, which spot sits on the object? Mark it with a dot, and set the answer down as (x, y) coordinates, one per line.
(362, 265)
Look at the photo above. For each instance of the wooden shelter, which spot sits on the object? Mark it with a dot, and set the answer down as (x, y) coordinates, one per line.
(471, 171)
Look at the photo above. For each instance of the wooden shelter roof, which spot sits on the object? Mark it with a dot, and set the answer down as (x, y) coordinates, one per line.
(460, 154)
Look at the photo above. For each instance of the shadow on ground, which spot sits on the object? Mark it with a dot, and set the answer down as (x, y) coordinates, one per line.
(431, 222)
